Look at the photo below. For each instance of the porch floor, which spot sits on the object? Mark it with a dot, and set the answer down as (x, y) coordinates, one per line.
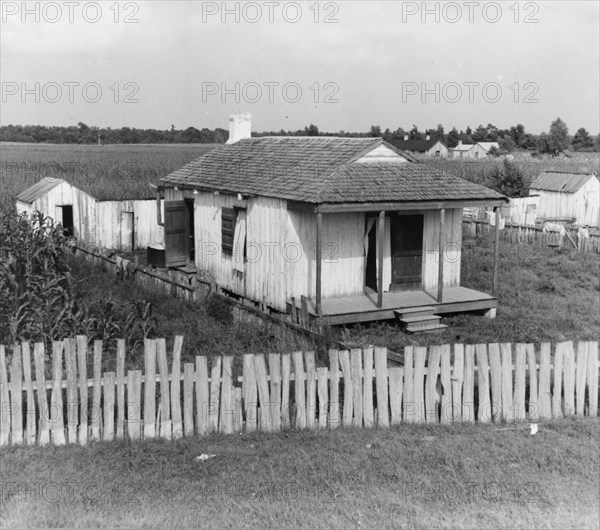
(363, 308)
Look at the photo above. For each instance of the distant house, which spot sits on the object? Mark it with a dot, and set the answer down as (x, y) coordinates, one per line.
(427, 147)
(354, 225)
(568, 196)
(474, 151)
(112, 224)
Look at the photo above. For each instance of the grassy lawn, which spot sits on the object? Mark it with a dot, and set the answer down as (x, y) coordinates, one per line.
(413, 476)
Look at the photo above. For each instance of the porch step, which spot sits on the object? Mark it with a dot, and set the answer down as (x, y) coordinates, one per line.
(422, 323)
(409, 312)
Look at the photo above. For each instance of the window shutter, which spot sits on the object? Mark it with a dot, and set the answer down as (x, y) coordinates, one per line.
(176, 234)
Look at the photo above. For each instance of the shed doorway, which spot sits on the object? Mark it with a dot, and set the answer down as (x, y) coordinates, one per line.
(67, 220)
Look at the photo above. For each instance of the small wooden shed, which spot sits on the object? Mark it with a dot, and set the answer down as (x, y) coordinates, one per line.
(568, 196)
(113, 224)
(354, 225)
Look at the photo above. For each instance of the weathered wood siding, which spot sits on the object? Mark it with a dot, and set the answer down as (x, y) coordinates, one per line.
(342, 269)
(84, 209)
(452, 238)
(582, 205)
(112, 225)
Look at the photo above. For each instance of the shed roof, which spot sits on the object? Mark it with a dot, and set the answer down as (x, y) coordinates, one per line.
(560, 181)
(488, 145)
(320, 170)
(39, 189)
(464, 147)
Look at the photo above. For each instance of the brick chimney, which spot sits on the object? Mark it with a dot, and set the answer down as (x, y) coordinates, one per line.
(240, 127)
(427, 137)
(406, 137)
(459, 143)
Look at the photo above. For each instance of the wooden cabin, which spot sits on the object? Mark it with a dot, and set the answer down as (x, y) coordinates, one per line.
(112, 224)
(353, 224)
(473, 151)
(568, 196)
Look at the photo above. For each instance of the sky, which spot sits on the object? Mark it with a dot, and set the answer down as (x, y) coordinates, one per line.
(344, 65)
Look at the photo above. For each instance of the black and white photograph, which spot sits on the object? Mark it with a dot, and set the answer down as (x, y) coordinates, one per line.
(300, 264)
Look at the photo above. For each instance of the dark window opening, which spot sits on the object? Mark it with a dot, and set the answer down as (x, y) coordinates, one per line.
(67, 220)
(228, 220)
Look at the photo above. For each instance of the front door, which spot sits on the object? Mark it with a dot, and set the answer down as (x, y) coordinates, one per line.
(407, 252)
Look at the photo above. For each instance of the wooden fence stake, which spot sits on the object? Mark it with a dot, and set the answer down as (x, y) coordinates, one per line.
(286, 360)
(520, 372)
(202, 396)
(227, 406)
(275, 388)
(468, 406)
(82, 345)
(419, 382)
(265, 414)
(458, 372)
(165, 402)
(592, 378)
(395, 392)
(31, 427)
(299, 395)
(16, 396)
(120, 388)
(533, 384)
(408, 414)
(215, 394)
(188, 399)
(311, 388)
(381, 387)
(357, 385)
(5, 420)
(544, 395)
(348, 407)
(249, 392)
(581, 376)
(109, 406)
(432, 397)
(445, 379)
(368, 416)
(569, 375)
(56, 403)
(149, 388)
(40, 382)
(557, 382)
(507, 382)
(334, 388)
(177, 423)
(72, 398)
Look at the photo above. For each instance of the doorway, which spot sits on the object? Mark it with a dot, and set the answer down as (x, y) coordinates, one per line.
(67, 220)
(371, 267)
(407, 252)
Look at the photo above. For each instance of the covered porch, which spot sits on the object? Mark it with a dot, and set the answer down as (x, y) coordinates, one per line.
(366, 308)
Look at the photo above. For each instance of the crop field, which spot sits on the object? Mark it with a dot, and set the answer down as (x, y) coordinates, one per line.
(103, 171)
(480, 171)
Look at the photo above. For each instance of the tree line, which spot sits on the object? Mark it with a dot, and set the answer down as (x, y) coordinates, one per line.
(557, 139)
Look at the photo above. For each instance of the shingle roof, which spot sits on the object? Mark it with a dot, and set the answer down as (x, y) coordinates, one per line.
(38, 190)
(398, 183)
(419, 146)
(560, 181)
(317, 170)
(464, 147)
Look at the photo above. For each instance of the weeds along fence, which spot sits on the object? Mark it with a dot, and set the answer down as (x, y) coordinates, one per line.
(193, 288)
(439, 384)
(521, 234)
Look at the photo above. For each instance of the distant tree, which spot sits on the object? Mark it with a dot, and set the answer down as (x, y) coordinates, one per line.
(415, 134)
(543, 145)
(375, 131)
(311, 130)
(439, 133)
(558, 137)
(508, 179)
(507, 144)
(517, 133)
(582, 140)
(453, 138)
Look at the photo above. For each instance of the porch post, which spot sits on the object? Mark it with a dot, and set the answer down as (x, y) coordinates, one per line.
(380, 240)
(440, 288)
(496, 252)
(318, 259)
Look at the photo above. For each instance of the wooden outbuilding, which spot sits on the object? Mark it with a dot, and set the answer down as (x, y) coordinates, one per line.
(568, 196)
(127, 224)
(353, 225)
(427, 147)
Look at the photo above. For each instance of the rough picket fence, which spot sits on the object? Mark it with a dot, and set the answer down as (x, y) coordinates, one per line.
(521, 234)
(439, 384)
